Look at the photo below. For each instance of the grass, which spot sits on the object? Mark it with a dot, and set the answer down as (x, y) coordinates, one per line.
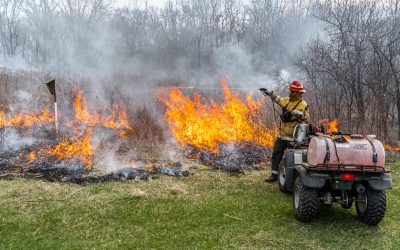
(207, 210)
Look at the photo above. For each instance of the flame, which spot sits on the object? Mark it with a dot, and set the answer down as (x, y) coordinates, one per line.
(392, 148)
(150, 167)
(204, 125)
(26, 119)
(77, 146)
(116, 119)
(82, 114)
(331, 125)
(32, 156)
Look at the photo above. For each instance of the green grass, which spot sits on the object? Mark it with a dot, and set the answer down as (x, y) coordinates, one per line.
(207, 210)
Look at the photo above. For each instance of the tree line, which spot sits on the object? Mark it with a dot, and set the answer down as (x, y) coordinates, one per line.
(347, 52)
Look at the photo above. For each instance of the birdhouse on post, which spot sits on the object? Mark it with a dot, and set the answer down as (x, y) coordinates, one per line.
(51, 85)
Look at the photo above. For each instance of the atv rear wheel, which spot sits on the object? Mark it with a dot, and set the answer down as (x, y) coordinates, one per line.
(282, 176)
(305, 201)
(371, 206)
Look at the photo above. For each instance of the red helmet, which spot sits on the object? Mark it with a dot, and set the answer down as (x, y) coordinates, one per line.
(296, 86)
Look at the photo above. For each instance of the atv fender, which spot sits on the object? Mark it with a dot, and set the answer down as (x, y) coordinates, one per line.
(382, 184)
(308, 181)
(290, 164)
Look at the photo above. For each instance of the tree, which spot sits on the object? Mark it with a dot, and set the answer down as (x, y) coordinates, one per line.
(10, 26)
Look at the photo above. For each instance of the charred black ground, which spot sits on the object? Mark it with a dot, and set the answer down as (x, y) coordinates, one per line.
(232, 158)
(15, 163)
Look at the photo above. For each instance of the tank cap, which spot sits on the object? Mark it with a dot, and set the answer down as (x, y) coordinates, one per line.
(356, 136)
(371, 137)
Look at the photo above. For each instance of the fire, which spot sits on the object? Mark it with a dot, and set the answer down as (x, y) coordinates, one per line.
(116, 119)
(204, 125)
(32, 156)
(26, 119)
(392, 148)
(78, 146)
(82, 114)
(332, 126)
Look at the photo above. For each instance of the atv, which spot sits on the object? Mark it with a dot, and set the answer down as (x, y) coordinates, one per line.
(336, 167)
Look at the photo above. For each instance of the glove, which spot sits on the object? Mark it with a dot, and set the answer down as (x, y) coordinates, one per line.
(297, 113)
(265, 91)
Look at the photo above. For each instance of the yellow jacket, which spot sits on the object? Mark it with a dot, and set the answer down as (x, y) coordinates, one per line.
(286, 128)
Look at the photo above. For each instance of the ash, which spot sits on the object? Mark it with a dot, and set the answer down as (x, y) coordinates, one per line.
(15, 164)
(234, 157)
(174, 169)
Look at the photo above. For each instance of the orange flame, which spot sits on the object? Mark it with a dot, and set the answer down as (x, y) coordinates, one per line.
(206, 125)
(75, 147)
(32, 156)
(79, 148)
(332, 126)
(82, 114)
(26, 119)
(392, 148)
(116, 119)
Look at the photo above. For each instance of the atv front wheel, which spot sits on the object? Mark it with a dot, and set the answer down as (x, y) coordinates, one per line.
(371, 206)
(282, 176)
(305, 201)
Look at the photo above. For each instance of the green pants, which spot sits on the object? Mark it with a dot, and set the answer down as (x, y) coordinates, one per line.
(277, 153)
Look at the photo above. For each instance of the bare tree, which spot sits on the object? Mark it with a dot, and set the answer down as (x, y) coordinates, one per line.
(349, 26)
(41, 23)
(84, 21)
(10, 26)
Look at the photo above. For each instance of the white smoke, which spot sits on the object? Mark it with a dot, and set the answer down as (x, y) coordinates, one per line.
(13, 141)
(20, 101)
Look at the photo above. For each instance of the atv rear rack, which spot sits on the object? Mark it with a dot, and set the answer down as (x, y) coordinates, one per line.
(344, 167)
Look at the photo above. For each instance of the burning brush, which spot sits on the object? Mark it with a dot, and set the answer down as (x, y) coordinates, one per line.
(73, 152)
(231, 135)
(71, 158)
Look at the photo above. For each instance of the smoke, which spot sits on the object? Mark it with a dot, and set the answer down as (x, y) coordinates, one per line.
(12, 140)
(109, 164)
(20, 101)
(123, 41)
(123, 55)
(237, 63)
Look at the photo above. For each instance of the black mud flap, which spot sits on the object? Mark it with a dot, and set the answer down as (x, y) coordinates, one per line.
(289, 170)
(308, 181)
(382, 184)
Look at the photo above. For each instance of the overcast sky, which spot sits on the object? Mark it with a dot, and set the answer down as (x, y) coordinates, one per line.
(156, 3)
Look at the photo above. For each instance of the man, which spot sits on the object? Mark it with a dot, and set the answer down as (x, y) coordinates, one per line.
(294, 111)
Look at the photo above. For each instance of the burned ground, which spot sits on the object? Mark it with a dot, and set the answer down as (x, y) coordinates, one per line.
(230, 158)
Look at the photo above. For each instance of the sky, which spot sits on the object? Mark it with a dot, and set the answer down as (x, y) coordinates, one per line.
(156, 3)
